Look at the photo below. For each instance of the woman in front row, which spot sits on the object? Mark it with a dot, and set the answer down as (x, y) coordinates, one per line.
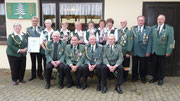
(16, 53)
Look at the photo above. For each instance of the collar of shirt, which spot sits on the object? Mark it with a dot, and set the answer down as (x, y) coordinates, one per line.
(110, 29)
(112, 46)
(20, 35)
(74, 47)
(94, 47)
(79, 33)
(50, 31)
(142, 27)
(161, 27)
(123, 29)
(91, 30)
(64, 31)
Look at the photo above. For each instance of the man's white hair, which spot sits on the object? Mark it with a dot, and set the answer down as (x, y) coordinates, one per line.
(56, 33)
(112, 35)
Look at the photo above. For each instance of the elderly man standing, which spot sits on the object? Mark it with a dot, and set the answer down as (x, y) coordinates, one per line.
(74, 61)
(125, 39)
(55, 58)
(93, 61)
(142, 44)
(112, 62)
(34, 31)
(162, 46)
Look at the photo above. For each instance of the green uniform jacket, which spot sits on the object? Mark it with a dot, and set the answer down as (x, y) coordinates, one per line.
(62, 35)
(164, 42)
(125, 39)
(142, 42)
(32, 33)
(74, 58)
(49, 52)
(95, 57)
(14, 43)
(116, 58)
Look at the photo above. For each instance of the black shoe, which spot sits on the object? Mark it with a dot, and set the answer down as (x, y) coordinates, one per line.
(152, 80)
(98, 88)
(143, 81)
(78, 86)
(69, 85)
(104, 89)
(134, 80)
(84, 86)
(160, 82)
(32, 78)
(41, 77)
(61, 86)
(22, 81)
(118, 89)
(47, 86)
(124, 79)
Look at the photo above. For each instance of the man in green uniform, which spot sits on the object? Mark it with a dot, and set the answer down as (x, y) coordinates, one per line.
(93, 61)
(55, 58)
(142, 44)
(112, 63)
(74, 61)
(125, 39)
(35, 31)
(162, 46)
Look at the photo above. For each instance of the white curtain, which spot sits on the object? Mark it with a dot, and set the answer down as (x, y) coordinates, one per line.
(2, 9)
(80, 9)
(49, 9)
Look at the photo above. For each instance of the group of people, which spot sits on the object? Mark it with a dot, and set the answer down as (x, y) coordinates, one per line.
(104, 51)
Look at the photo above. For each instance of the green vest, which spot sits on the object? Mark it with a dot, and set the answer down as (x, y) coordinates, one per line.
(62, 35)
(14, 43)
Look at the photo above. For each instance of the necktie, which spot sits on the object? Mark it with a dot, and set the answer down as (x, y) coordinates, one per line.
(139, 30)
(111, 49)
(35, 30)
(55, 51)
(92, 51)
(158, 31)
(74, 49)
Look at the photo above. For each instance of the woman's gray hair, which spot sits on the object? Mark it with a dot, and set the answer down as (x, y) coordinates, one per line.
(17, 24)
(48, 21)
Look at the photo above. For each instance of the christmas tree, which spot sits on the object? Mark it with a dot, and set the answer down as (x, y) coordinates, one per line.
(20, 11)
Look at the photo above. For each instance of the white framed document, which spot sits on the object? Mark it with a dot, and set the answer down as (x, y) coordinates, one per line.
(33, 44)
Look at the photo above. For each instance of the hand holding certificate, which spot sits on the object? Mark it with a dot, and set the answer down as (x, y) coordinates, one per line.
(33, 44)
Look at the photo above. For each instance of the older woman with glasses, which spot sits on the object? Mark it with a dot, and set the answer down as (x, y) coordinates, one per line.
(16, 53)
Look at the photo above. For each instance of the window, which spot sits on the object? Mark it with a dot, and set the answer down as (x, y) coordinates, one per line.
(49, 12)
(2, 23)
(84, 12)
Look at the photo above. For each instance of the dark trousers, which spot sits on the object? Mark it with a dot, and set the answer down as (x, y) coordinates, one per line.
(126, 63)
(42, 57)
(159, 63)
(18, 66)
(34, 57)
(60, 69)
(67, 71)
(139, 67)
(87, 73)
(105, 72)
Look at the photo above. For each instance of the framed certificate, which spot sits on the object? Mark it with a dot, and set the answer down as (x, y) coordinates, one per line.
(33, 44)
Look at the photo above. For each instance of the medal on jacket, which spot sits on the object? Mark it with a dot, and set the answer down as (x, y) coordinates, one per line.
(145, 39)
(123, 39)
